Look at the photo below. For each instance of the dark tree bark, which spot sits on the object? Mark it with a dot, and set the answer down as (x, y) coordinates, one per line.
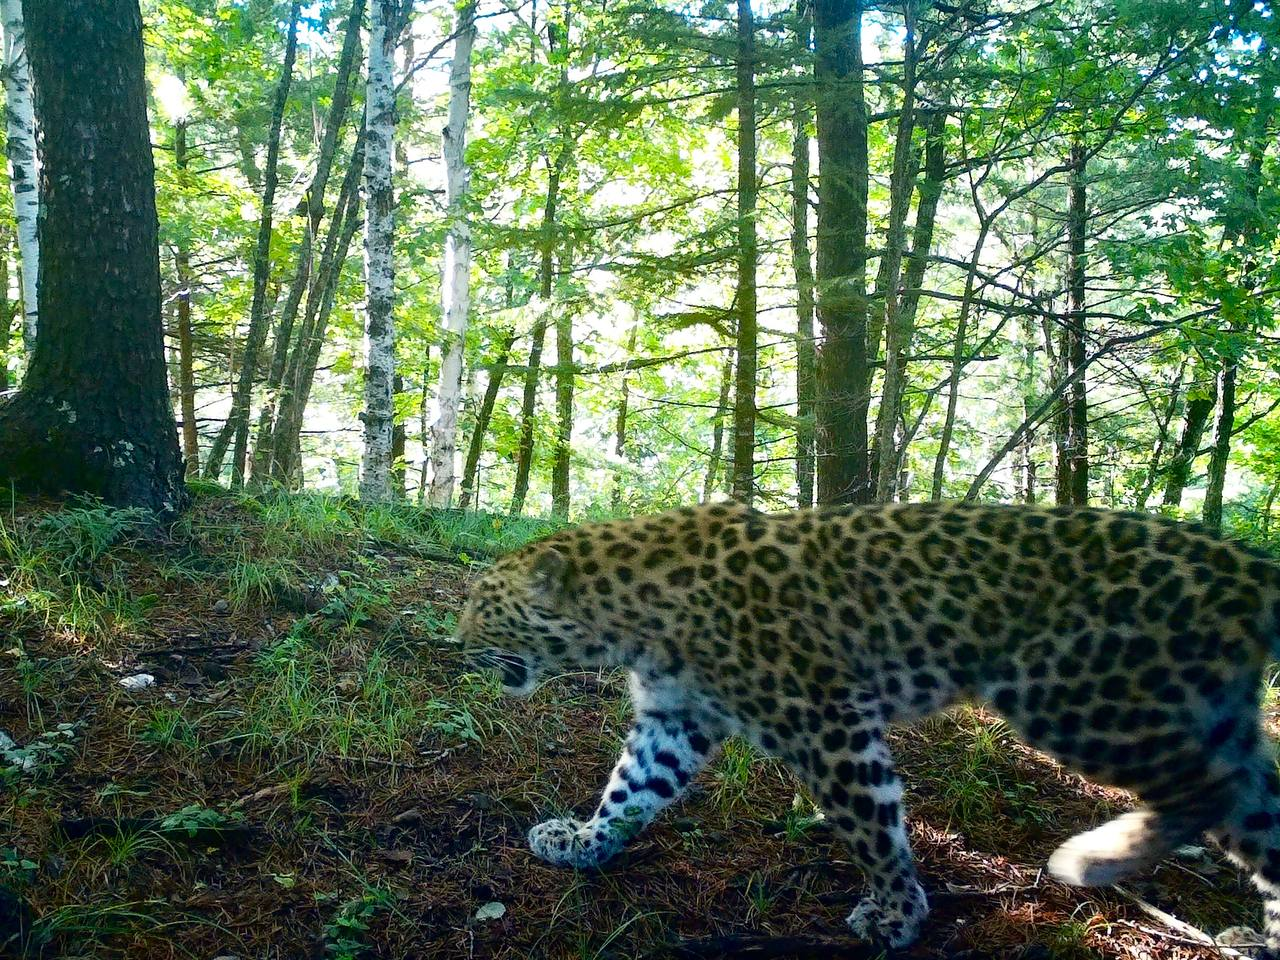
(476, 445)
(1077, 440)
(1162, 440)
(237, 425)
(93, 415)
(888, 298)
(902, 175)
(564, 415)
(843, 401)
(802, 265)
(900, 314)
(620, 419)
(301, 369)
(1195, 419)
(399, 437)
(186, 348)
(744, 403)
(6, 311)
(529, 400)
(1221, 453)
(313, 204)
(717, 430)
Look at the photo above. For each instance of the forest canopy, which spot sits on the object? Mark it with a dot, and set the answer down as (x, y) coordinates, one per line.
(568, 258)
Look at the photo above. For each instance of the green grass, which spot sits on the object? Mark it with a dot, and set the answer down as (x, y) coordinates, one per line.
(314, 696)
(169, 728)
(981, 781)
(257, 581)
(58, 571)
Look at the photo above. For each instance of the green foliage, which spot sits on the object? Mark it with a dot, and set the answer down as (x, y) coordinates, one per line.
(194, 818)
(346, 932)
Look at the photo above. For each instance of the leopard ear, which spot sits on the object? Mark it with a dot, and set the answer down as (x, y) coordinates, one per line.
(550, 576)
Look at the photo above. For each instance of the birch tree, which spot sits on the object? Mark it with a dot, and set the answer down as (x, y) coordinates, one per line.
(24, 168)
(456, 287)
(379, 240)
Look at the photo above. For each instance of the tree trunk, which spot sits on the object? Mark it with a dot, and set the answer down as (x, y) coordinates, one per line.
(529, 400)
(1221, 453)
(1058, 366)
(744, 403)
(958, 362)
(1225, 425)
(279, 447)
(93, 415)
(620, 419)
(456, 286)
(1162, 438)
(237, 424)
(476, 445)
(186, 349)
(379, 242)
(802, 265)
(314, 204)
(1075, 329)
(301, 370)
(888, 275)
(842, 399)
(1267, 507)
(24, 162)
(717, 431)
(900, 316)
(1195, 420)
(6, 310)
(399, 437)
(902, 176)
(424, 428)
(564, 415)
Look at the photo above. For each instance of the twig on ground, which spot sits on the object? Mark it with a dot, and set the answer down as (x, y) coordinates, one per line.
(1179, 926)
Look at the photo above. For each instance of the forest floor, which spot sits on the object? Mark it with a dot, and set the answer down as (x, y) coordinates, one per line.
(313, 774)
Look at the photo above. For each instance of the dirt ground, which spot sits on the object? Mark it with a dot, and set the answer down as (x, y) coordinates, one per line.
(312, 774)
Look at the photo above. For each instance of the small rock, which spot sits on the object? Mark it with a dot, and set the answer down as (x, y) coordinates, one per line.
(492, 910)
(138, 681)
(222, 608)
(397, 856)
(408, 818)
(482, 802)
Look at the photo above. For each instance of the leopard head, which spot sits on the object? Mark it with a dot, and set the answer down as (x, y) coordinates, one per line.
(521, 619)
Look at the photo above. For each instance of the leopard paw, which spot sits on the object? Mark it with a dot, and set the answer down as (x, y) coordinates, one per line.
(896, 924)
(556, 841)
(569, 843)
(864, 921)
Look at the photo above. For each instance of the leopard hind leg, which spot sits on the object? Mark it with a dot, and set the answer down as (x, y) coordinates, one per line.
(1250, 836)
(1127, 845)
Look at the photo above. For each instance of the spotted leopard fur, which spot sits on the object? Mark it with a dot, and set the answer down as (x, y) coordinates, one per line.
(1127, 646)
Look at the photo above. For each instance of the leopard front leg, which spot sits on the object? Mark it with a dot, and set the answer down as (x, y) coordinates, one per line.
(662, 753)
(848, 767)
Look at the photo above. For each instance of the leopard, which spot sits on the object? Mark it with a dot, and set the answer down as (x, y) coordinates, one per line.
(1130, 648)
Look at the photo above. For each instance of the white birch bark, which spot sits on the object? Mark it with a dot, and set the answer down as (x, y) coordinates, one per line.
(456, 285)
(24, 169)
(379, 239)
